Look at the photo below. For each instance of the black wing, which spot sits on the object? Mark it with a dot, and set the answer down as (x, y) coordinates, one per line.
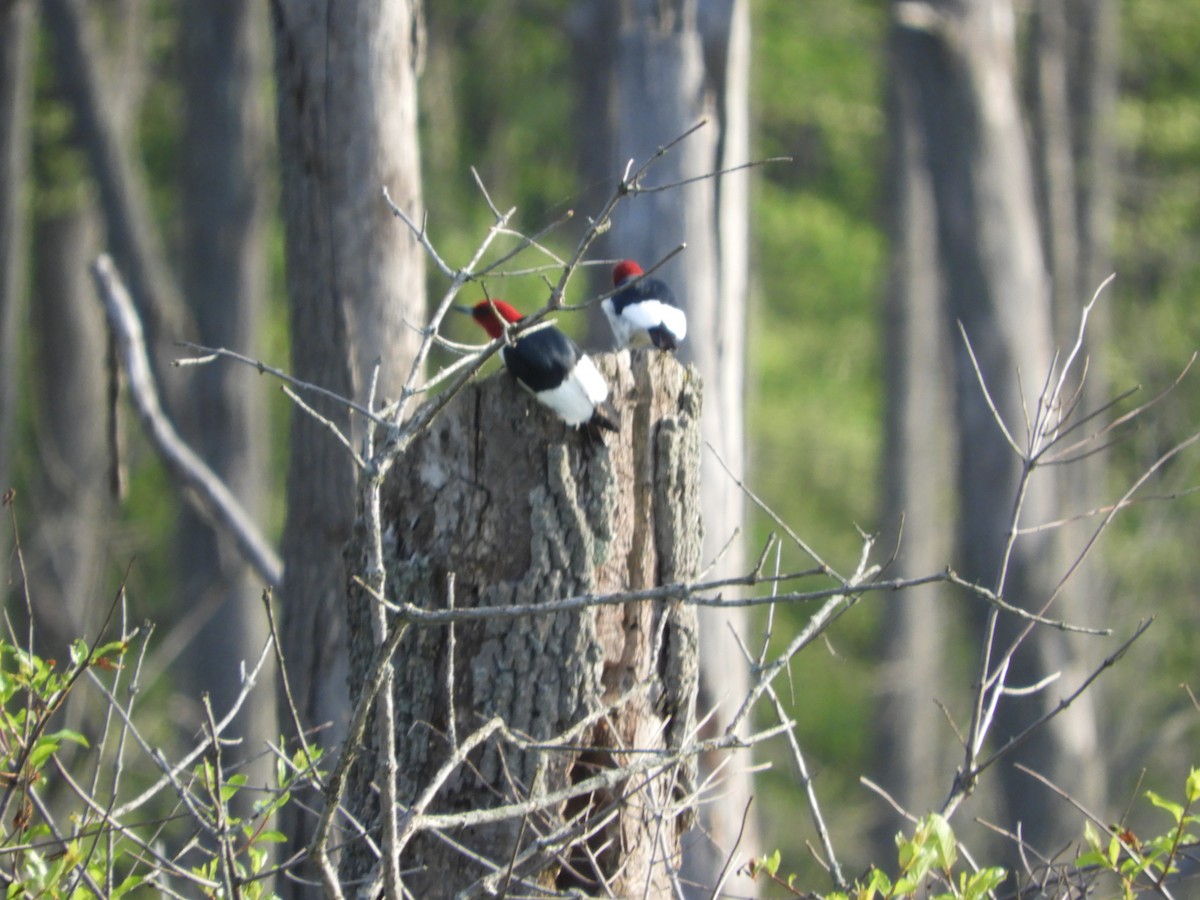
(646, 289)
(541, 360)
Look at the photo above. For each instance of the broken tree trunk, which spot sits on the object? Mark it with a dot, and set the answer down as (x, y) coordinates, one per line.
(499, 504)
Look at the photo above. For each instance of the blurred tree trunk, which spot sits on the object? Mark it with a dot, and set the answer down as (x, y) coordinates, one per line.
(1073, 57)
(570, 520)
(347, 106)
(66, 552)
(1073, 90)
(73, 488)
(913, 755)
(661, 69)
(101, 104)
(224, 280)
(16, 88)
(955, 63)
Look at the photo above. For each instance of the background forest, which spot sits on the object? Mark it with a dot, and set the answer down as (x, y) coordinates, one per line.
(500, 91)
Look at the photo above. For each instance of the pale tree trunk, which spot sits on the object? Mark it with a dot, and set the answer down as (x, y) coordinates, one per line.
(73, 490)
(16, 85)
(1073, 57)
(571, 517)
(1074, 73)
(73, 507)
(667, 66)
(958, 59)
(346, 94)
(913, 755)
(224, 280)
(1093, 81)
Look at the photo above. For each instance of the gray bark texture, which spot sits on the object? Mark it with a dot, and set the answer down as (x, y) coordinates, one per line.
(16, 89)
(955, 68)
(346, 104)
(658, 69)
(225, 190)
(523, 510)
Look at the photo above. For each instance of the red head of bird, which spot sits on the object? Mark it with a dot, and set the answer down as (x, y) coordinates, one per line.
(492, 314)
(624, 270)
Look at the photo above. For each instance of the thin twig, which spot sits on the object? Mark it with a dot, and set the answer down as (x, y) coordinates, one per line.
(293, 712)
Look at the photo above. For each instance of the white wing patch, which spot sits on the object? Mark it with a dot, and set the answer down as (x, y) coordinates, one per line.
(574, 401)
(631, 327)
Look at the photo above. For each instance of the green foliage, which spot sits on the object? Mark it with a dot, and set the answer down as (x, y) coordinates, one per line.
(927, 861)
(32, 692)
(1131, 860)
(47, 858)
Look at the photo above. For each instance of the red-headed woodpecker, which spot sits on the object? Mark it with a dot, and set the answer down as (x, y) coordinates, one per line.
(644, 312)
(550, 366)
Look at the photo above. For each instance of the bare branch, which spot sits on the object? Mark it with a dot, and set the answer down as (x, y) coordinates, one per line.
(686, 181)
(324, 423)
(987, 395)
(966, 778)
(208, 494)
(213, 353)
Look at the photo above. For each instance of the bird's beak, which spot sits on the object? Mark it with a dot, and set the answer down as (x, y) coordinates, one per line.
(457, 307)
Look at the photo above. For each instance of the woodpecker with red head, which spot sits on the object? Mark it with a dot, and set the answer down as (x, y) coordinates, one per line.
(644, 312)
(550, 366)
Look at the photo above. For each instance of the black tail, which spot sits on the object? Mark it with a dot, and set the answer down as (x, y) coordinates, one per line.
(604, 416)
(663, 338)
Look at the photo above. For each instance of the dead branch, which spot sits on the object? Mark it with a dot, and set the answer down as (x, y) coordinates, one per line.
(205, 491)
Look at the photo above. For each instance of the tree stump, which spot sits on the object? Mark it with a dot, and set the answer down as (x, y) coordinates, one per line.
(515, 508)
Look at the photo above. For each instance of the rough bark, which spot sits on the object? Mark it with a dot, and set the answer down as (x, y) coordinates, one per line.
(959, 59)
(16, 81)
(522, 510)
(224, 280)
(663, 67)
(346, 83)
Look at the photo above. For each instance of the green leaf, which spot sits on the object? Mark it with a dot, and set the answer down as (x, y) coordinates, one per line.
(44, 748)
(272, 837)
(129, 884)
(79, 652)
(1114, 851)
(879, 881)
(66, 734)
(771, 863)
(1092, 858)
(980, 883)
(1175, 809)
(232, 785)
(271, 805)
(257, 857)
(1159, 845)
(113, 648)
(1192, 789)
(944, 844)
